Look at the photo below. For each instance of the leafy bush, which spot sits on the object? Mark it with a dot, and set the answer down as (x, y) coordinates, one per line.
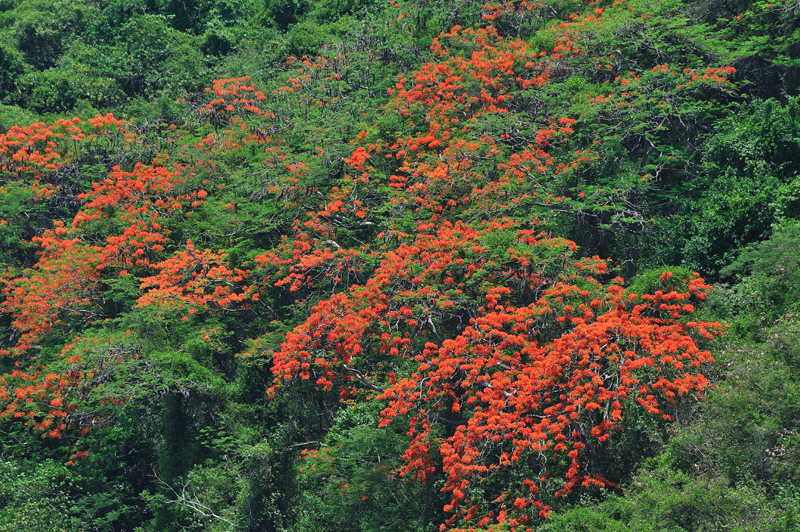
(59, 90)
(751, 159)
(149, 56)
(11, 67)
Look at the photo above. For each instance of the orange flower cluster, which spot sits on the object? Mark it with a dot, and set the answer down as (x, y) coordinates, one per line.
(34, 149)
(233, 98)
(64, 289)
(194, 278)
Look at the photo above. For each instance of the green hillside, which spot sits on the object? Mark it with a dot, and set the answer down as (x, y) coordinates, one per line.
(298, 265)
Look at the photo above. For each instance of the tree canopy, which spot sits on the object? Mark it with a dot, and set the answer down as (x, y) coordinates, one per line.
(437, 266)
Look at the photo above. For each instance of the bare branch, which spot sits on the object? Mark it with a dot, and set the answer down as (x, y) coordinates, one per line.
(188, 500)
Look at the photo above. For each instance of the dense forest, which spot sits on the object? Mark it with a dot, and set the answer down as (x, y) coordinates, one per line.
(342, 265)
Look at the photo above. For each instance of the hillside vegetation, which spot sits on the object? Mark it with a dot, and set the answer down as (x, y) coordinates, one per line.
(298, 265)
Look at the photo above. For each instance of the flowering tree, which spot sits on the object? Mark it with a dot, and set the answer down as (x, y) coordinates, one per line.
(414, 260)
(510, 365)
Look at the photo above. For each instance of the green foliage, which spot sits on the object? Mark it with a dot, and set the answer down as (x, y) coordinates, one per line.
(752, 163)
(217, 39)
(765, 131)
(39, 496)
(745, 433)
(11, 67)
(675, 169)
(764, 284)
(351, 484)
(305, 39)
(52, 497)
(150, 56)
(39, 38)
(286, 13)
(13, 115)
(327, 11)
(765, 39)
(59, 90)
(665, 499)
(185, 15)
